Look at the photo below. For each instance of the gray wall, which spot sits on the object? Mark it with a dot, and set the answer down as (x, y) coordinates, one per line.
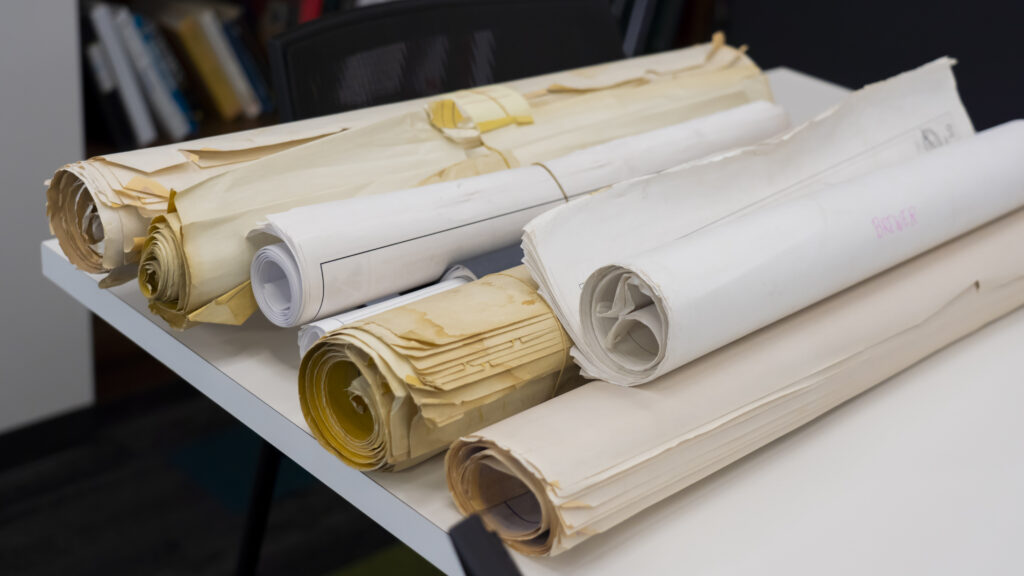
(45, 348)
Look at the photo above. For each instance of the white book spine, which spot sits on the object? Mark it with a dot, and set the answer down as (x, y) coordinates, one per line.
(143, 128)
(160, 96)
(213, 29)
(99, 64)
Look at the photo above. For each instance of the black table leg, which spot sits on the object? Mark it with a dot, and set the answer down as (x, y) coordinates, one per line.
(480, 551)
(259, 509)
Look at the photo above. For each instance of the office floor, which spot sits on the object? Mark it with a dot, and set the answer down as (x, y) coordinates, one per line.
(158, 483)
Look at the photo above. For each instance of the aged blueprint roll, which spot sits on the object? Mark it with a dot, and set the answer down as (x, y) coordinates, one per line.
(548, 478)
(98, 207)
(338, 255)
(195, 262)
(388, 391)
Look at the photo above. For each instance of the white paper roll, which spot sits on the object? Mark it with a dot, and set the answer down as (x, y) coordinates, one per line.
(339, 255)
(656, 311)
(275, 271)
(580, 464)
(878, 126)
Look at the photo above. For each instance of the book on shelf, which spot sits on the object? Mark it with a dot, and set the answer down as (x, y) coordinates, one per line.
(243, 45)
(187, 32)
(162, 94)
(272, 17)
(143, 128)
(162, 69)
(310, 10)
(102, 98)
(167, 66)
(213, 27)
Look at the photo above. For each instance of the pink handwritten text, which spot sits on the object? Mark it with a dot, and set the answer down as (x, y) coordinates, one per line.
(894, 223)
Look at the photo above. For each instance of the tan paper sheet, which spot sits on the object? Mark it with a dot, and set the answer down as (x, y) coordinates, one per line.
(393, 389)
(579, 464)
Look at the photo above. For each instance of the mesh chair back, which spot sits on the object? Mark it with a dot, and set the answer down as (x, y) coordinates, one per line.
(402, 50)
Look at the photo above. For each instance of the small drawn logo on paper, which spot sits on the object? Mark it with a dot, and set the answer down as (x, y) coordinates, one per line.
(933, 138)
(894, 223)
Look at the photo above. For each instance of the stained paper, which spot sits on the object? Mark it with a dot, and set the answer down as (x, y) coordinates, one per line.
(196, 260)
(880, 125)
(577, 465)
(391, 390)
(338, 255)
(99, 208)
(308, 334)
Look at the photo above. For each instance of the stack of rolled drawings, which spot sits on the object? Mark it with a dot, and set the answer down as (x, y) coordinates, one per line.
(791, 277)
(195, 261)
(552, 476)
(721, 277)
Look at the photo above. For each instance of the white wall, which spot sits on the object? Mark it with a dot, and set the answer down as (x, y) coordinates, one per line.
(45, 347)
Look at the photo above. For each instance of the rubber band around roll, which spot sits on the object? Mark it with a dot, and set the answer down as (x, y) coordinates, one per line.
(555, 179)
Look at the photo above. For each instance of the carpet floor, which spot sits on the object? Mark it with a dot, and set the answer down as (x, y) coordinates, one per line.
(159, 484)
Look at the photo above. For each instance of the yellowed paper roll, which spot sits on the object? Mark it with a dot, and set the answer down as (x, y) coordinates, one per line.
(389, 391)
(201, 275)
(548, 478)
(99, 208)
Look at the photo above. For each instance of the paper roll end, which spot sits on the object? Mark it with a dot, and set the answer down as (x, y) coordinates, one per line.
(277, 285)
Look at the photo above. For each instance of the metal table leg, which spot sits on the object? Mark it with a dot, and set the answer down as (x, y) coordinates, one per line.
(259, 509)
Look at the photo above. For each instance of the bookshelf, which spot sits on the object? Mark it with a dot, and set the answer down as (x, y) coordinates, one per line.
(141, 86)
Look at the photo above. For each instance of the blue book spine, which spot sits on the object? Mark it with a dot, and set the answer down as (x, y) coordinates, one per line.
(252, 70)
(149, 36)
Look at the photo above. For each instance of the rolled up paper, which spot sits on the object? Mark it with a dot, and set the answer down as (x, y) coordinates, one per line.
(878, 126)
(196, 259)
(391, 390)
(308, 334)
(577, 465)
(651, 313)
(338, 255)
(99, 208)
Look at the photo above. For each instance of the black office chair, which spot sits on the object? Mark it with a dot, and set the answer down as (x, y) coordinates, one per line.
(403, 50)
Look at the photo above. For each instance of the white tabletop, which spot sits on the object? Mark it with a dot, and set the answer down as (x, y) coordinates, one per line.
(921, 474)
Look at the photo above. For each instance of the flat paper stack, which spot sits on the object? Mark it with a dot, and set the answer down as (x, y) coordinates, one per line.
(388, 391)
(577, 465)
(195, 265)
(338, 255)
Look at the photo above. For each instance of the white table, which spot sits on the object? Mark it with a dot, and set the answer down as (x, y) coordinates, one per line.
(921, 475)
